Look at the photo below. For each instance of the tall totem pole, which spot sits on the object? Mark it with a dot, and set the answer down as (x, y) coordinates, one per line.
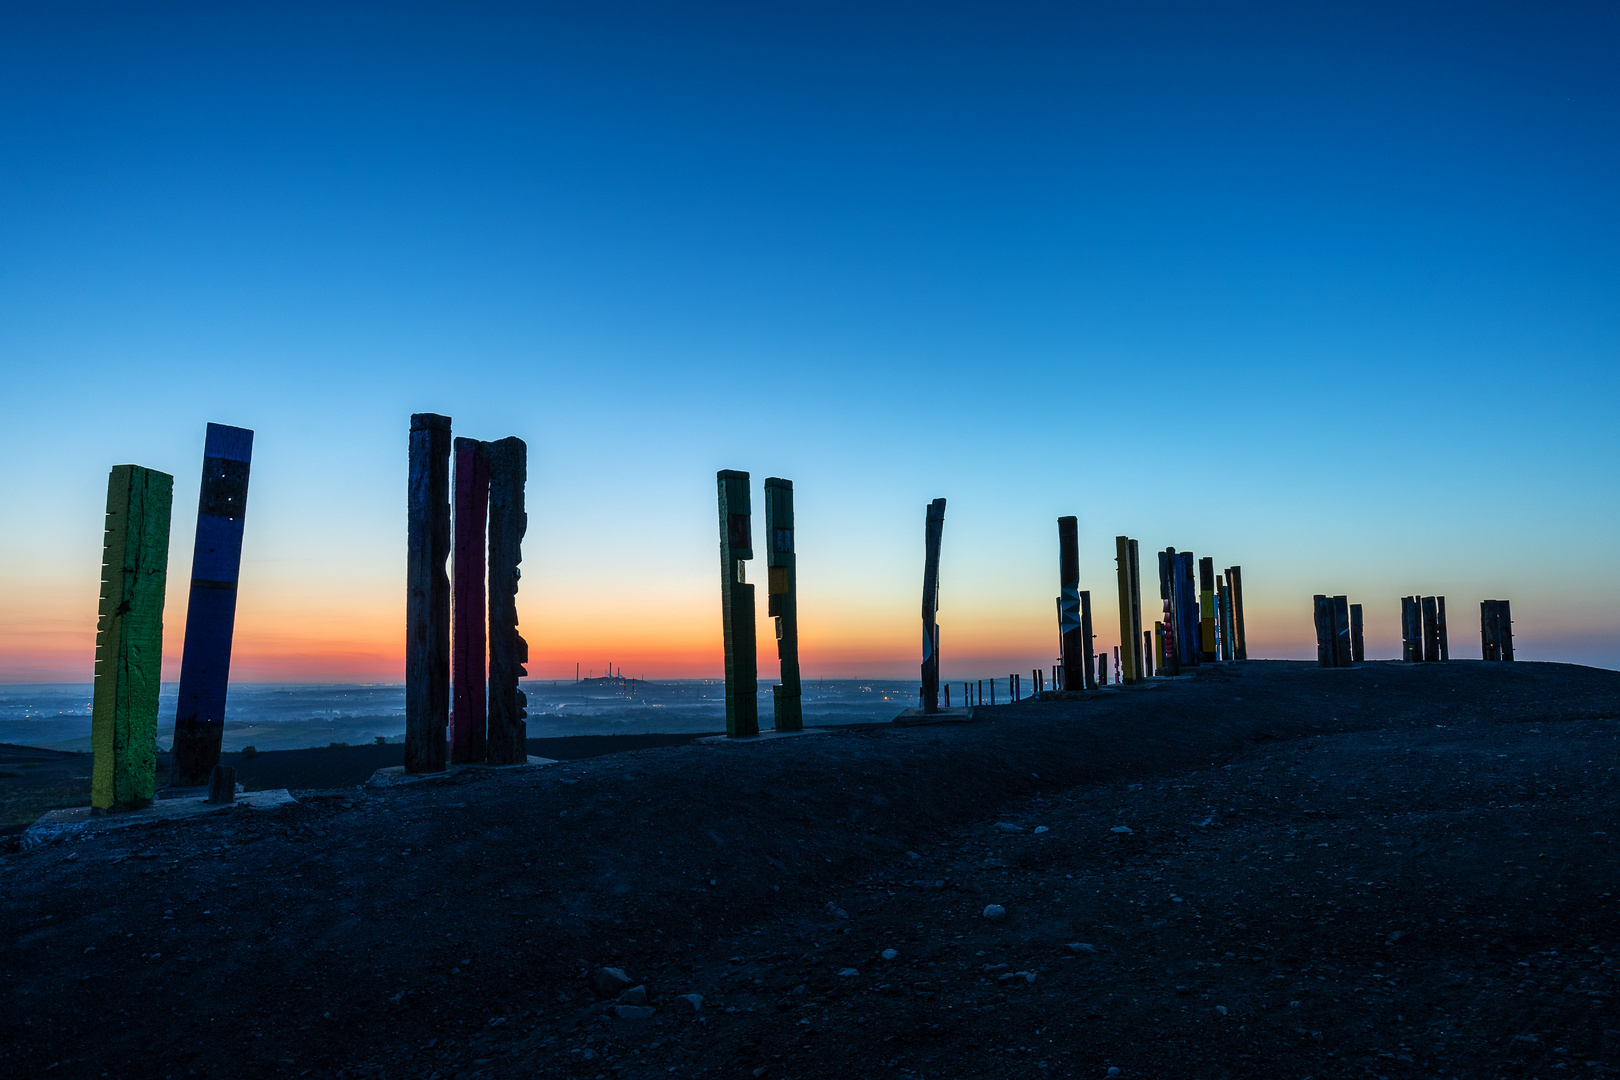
(508, 652)
(737, 604)
(1071, 632)
(427, 594)
(216, 563)
(783, 600)
(1132, 663)
(935, 530)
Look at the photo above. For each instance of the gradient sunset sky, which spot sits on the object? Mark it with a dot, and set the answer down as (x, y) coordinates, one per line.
(1328, 291)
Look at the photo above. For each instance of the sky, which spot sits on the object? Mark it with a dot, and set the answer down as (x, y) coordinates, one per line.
(1326, 291)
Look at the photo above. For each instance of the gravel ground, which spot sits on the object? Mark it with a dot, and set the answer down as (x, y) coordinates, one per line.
(1396, 870)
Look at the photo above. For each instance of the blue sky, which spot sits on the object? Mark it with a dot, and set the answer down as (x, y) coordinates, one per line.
(1327, 292)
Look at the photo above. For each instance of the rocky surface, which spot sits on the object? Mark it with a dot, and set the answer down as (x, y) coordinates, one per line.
(1267, 869)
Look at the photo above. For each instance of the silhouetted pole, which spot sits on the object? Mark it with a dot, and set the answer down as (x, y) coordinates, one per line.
(1170, 656)
(1206, 605)
(1187, 616)
(1323, 607)
(737, 604)
(129, 639)
(782, 588)
(1147, 654)
(1495, 630)
(1071, 631)
(1127, 557)
(427, 595)
(1410, 651)
(507, 742)
(1089, 638)
(1440, 627)
(1159, 652)
(1341, 631)
(1358, 648)
(933, 532)
(1234, 579)
(216, 563)
(468, 714)
(1431, 631)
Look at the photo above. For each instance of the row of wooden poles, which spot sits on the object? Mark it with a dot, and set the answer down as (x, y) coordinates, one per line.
(1202, 620)
(1339, 640)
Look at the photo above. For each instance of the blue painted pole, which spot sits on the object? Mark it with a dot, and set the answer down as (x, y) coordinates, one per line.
(216, 561)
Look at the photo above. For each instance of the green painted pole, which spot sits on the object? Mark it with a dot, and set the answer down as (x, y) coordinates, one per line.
(783, 601)
(129, 639)
(737, 604)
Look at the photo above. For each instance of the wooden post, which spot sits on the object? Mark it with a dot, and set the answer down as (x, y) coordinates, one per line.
(934, 530)
(129, 639)
(1341, 632)
(1170, 656)
(1409, 636)
(1234, 577)
(1187, 591)
(1440, 625)
(1496, 630)
(1206, 605)
(1147, 654)
(1126, 558)
(468, 713)
(1358, 648)
(222, 784)
(782, 601)
(1159, 652)
(1323, 608)
(427, 595)
(507, 741)
(1090, 675)
(737, 605)
(1504, 629)
(216, 563)
(1431, 630)
(1071, 628)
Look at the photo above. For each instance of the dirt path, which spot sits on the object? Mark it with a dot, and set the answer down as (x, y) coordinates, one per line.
(1391, 871)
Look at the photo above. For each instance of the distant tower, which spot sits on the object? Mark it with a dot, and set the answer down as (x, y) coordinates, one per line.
(783, 601)
(935, 530)
(737, 604)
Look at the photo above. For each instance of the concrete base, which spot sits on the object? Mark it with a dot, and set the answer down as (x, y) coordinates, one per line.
(918, 718)
(761, 737)
(396, 776)
(79, 821)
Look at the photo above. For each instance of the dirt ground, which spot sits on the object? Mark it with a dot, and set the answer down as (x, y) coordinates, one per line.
(1264, 870)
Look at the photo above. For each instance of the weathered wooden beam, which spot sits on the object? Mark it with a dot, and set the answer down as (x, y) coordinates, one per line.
(1411, 652)
(782, 601)
(1147, 654)
(1240, 646)
(1323, 608)
(1170, 657)
(468, 690)
(129, 639)
(1188, 616)
(1431, 630)
(1206, 610)
(1358, 648)
(1342, 654)
(1071, 630)
(737, 604)
(507, 740)
(1440, 626)
(933, 533)
(1126, 559)
(427, 595)
(1089, 640)
(1504, 629)
(216, 563)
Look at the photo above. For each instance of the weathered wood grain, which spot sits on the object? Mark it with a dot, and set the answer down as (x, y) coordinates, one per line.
(427, 594)
(506, 743)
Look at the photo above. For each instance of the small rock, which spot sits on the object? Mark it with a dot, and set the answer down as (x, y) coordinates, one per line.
(1041, 829)
(1007, 826)
(888, 954)
(1080, 946)
(1221, 1009)
(846, 972)
(1113, 1070)
(588, 1054)
(912, 855)
(995, 912)
(633, 1012)
(610, 982)
(1029, 976)
(761, 1071)
(1122, 829)
(636, 995)
(802, 988)
(835, 911)
(693, 1001)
